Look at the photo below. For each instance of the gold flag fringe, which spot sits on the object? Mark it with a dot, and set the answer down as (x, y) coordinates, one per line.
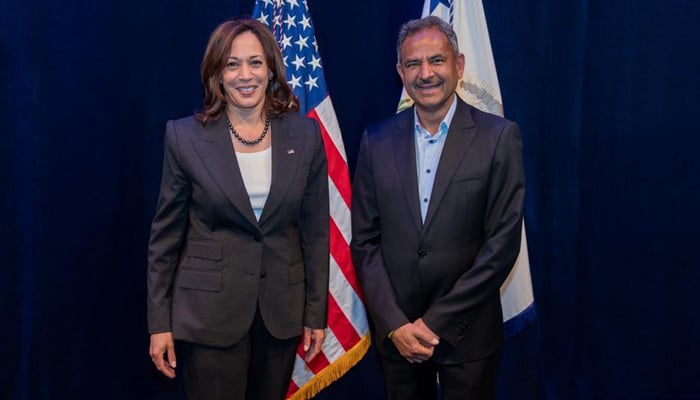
(333, 371)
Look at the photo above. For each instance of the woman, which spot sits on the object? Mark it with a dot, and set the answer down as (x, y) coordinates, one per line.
(238, 255)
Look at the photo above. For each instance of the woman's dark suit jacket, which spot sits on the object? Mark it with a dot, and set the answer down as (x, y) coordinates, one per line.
(211, 263)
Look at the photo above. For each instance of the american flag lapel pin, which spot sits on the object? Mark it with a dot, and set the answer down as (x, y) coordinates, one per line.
(290, 151)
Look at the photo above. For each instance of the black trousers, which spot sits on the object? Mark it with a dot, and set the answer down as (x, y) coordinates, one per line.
(474, 380)
(259, 367)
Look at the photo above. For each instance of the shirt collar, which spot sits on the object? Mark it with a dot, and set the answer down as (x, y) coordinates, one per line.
(444, 124)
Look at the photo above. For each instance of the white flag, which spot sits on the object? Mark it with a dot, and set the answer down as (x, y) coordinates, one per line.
(479, 88)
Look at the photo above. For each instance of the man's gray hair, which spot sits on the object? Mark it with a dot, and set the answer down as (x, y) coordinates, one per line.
(416, 25)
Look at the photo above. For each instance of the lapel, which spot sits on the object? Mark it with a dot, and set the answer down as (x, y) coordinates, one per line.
(286, 153)
(215, 149)
(459, 138)
(404, 150)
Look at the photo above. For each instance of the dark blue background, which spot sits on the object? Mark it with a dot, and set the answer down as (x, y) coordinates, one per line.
(605, 92)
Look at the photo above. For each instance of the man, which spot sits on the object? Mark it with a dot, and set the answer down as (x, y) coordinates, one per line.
(437, 212)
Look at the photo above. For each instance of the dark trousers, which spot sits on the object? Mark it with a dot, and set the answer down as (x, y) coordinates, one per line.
(474, 380)
(259, 367)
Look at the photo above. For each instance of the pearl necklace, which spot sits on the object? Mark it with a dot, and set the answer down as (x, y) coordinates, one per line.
(246, 141)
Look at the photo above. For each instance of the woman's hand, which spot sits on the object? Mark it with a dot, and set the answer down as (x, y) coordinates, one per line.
(162, 344)
(312, 339)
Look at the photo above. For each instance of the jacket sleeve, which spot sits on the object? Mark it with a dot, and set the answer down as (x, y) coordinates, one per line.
(168, 230)
(453, 314)
(366, 248)
(314, 228)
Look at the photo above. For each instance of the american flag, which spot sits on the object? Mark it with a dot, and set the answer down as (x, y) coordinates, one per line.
(347, 335)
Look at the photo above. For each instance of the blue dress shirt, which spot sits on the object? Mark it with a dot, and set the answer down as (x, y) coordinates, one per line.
(428, 150)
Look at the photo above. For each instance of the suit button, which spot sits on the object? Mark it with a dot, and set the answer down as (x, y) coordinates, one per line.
(263, 274)
(257, 238)
(422, 253)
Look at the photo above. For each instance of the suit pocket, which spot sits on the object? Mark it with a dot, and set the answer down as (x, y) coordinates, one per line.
(203, 254)
(211, 281)
(466, 177)
(296, 273)
(209, 250)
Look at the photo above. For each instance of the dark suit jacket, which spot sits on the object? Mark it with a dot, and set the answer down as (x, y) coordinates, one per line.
(210, 262)
(449, 269)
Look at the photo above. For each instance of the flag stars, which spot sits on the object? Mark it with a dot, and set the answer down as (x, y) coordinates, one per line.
(286, 41)
(298, 62)
(311, 82)
(305, 22)
(301, 42)
(290, 21)
(299, 47)
(295, 82)
(315, 62)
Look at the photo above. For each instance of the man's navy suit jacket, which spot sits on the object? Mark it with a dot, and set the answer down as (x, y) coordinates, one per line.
(448, 269)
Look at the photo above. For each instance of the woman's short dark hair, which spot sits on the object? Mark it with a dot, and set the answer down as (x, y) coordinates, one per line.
(279, 98)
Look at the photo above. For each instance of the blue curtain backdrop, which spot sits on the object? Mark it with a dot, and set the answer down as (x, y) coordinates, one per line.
(606, 96)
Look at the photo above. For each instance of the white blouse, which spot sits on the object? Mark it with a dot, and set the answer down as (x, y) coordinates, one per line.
(256, 170)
